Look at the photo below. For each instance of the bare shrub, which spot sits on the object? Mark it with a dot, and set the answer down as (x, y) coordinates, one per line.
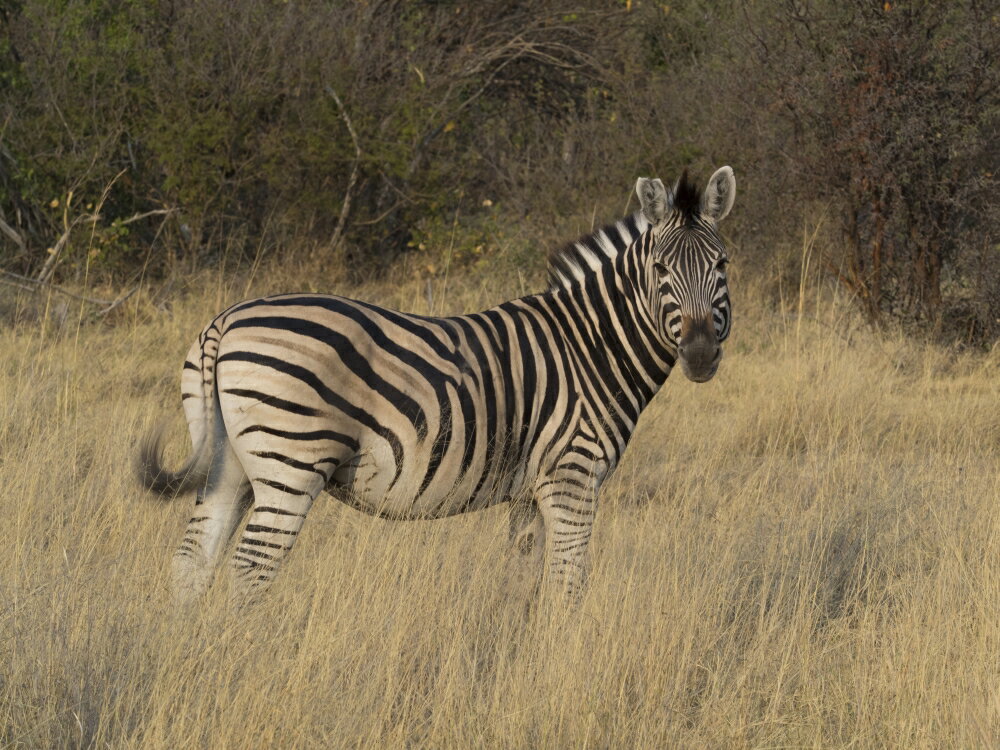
(893, 109)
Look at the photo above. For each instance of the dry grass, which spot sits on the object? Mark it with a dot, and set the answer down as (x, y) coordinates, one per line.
(804, 552)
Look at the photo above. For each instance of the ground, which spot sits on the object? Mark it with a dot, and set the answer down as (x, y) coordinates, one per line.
(803, 552)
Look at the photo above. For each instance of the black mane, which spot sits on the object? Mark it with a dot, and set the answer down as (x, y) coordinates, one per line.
(687, 198)
(568, 264)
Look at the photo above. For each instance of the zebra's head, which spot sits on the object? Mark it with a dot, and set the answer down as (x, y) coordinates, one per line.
(686, 268)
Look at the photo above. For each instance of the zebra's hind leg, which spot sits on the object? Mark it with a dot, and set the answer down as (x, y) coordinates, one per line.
(278, 514)
(219, 507)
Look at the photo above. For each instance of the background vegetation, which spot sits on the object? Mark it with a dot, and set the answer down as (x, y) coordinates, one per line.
(157, 137)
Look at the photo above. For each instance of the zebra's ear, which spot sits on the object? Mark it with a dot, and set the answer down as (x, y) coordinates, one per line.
(717, 200)
(653, 198)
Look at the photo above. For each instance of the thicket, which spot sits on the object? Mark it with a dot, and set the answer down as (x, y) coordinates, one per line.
(153, 136)
(891, 114)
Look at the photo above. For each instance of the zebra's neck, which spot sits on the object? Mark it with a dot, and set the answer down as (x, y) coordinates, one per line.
(613, 330)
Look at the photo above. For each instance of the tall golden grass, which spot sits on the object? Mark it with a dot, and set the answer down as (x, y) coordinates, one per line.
(804, 552)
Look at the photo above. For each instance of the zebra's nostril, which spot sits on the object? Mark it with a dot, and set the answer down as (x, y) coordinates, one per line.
(699, 354)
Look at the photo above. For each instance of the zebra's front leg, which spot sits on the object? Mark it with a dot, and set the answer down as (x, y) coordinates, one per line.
(527, 536)
(567, 509)
(527, 530)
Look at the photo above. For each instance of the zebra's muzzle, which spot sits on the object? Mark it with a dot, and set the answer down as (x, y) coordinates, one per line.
(699, 352)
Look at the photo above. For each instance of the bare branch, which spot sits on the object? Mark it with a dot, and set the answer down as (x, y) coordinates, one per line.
(147, 214)
(16, 285)
(36, 285)
(50, 263)
(117, 302)
(345, 207)
(8, 230)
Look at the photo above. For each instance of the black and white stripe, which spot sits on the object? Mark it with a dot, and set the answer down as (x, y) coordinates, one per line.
(531, 402)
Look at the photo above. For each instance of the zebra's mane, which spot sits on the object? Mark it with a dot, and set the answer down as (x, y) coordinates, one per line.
(569, 264)
(686, 198)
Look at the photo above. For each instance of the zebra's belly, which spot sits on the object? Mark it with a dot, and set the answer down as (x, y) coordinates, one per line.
(424, 486)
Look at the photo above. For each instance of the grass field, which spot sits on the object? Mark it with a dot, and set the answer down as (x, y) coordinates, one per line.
(804, 552)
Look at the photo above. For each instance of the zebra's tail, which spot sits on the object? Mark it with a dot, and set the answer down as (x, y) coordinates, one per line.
(152, 474)
(202, 412)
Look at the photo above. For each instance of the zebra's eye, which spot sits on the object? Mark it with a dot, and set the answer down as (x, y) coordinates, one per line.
(661, 269)
(721, 265)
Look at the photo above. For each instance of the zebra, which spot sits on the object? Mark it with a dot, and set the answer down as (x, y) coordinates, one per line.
(402, 416)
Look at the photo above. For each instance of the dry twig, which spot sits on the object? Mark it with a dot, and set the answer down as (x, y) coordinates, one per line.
(345, 207)
(16, 238)
(28, 284)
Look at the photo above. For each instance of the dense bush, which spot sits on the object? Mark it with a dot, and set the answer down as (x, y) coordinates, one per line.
(157, 135)
(892, 110)
(231, 119)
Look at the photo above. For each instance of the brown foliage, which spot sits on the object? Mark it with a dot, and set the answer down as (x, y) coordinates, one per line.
(236, 129)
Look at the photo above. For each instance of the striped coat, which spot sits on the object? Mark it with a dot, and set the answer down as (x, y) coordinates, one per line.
(531, 402)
